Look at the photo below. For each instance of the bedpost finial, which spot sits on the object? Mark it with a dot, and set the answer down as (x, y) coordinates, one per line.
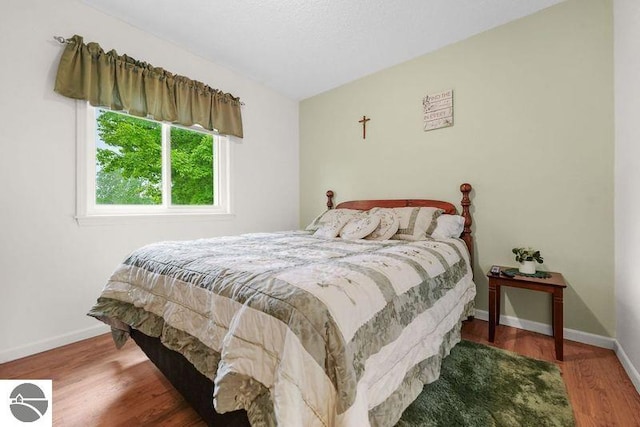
(465, 189)
(329, 199)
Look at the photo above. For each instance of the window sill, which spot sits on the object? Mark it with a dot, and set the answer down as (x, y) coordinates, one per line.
(123, 219)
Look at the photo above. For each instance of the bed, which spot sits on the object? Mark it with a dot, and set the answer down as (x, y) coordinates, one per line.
(294, 329)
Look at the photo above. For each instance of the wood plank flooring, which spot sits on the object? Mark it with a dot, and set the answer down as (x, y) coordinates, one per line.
(96, 385)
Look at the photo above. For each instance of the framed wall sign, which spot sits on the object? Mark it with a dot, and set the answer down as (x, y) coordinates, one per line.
(438, 110)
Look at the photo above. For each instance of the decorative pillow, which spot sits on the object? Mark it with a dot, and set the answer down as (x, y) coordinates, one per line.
(416, 223)
(448, 226)
(360, 226)
(329, 215)
(389, 224)
(331, 229)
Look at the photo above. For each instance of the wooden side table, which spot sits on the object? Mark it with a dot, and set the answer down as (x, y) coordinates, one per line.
(554, 285)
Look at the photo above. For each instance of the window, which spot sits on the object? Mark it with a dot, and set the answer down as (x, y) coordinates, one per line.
(132, 167)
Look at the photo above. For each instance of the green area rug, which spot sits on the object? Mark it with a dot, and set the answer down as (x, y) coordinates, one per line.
(483, 386)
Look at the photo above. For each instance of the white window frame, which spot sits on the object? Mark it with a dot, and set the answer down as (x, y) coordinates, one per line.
(90, 213)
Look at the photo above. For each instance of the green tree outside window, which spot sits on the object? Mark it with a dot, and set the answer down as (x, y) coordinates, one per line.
(129, 162)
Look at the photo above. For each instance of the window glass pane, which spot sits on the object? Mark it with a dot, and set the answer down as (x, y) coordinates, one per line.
(128, 160)
(191, 167)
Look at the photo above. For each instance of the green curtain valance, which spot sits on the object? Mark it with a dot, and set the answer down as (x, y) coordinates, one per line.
(120, 82)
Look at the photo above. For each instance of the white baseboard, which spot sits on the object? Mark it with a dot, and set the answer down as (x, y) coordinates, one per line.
(633, 373)
(50, 343)
(543, 328)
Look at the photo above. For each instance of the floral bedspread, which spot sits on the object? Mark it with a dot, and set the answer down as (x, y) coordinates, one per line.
(298, 330)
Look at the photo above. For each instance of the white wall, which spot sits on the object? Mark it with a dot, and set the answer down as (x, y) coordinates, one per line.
(627, 181)
(51, 269)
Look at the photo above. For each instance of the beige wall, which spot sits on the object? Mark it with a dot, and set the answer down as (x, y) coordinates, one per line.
(533, 133)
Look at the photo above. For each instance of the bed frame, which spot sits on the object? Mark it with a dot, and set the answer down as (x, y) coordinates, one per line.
(197, 389)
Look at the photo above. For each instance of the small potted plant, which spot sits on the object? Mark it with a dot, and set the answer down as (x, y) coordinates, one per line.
(526, 258)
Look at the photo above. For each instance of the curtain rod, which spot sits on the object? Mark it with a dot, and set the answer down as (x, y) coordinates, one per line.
(61, 40)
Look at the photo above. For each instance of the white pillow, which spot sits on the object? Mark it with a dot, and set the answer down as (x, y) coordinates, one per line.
(416, 223)
(448, 226)
(331, 229)
(389, 224)
(360, 226)
(330, 215)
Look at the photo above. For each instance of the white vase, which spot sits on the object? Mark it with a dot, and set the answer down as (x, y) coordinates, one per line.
(527, 267)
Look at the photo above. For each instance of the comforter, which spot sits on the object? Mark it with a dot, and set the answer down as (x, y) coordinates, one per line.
(298, 330)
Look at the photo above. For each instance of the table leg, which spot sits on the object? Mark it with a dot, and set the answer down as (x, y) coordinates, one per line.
(553, 316)
(558, 327)
(492, 311)
(498, 296)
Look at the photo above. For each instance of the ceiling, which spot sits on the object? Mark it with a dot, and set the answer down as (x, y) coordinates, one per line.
(302, 48)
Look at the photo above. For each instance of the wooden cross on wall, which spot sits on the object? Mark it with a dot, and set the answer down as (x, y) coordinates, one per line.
(364, 121)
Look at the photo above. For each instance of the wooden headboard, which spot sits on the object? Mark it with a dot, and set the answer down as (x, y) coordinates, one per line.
(448, 208)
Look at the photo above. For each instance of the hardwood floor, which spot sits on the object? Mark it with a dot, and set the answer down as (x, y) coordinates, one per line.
(96, 385)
